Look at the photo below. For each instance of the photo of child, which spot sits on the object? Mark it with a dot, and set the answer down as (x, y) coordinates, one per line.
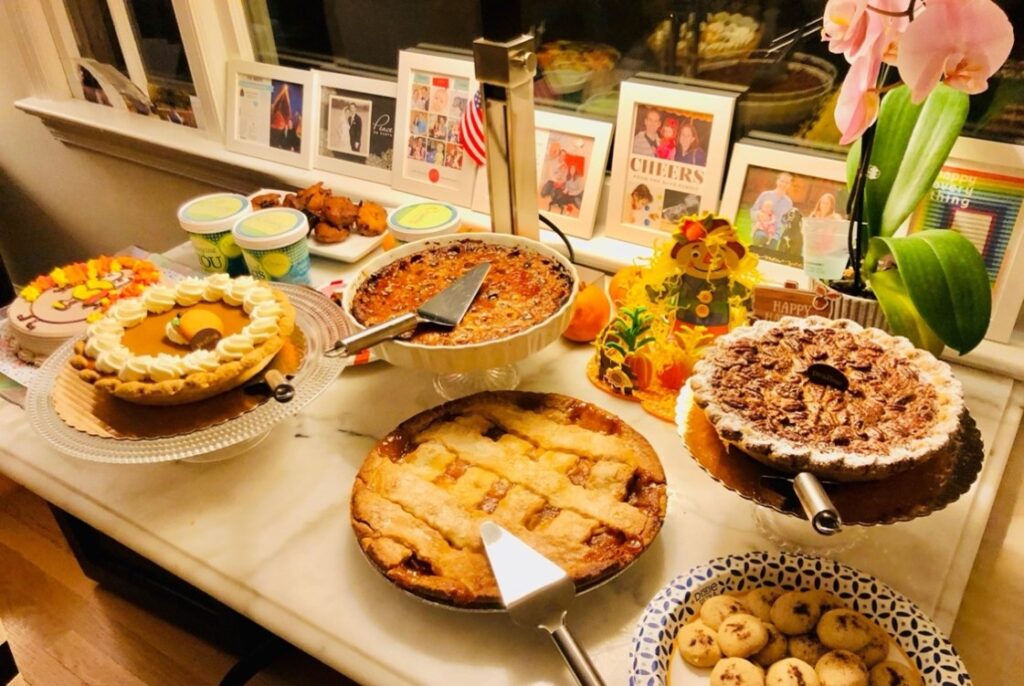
(562, 171)
(420, 95)
(671, 134)
(640, 209)
(773, 205)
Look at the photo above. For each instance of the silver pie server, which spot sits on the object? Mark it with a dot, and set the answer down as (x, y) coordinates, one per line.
(537, 593)
(447, 308)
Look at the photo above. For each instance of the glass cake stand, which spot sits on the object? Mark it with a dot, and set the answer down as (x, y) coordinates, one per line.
(777, 513)
(321, 323)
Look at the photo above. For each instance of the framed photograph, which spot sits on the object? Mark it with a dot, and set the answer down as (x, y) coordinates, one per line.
(770, 189)
(433, 93)
(270, 108)
(984, 202)
(572, 153)
(357, 126)
(671, 144)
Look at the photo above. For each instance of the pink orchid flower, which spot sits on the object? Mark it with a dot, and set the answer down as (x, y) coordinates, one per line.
(858, 102)
(963, 41)
(844, 25)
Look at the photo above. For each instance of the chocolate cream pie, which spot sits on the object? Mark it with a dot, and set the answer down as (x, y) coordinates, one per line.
(829, 397)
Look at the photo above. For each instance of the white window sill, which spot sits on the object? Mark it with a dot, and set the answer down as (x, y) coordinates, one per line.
(192, 154)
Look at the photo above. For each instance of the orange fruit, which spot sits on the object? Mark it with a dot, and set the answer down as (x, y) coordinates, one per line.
(590, 313)
(194, 321)
(620, 284)
(672, 375)
(388, 242)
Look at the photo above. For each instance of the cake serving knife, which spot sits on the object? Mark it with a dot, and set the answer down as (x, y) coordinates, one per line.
(447, 308)
(537, 593)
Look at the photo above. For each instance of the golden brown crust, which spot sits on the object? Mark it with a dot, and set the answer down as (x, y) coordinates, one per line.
(574, 481)
(197, 385)
(371, 220)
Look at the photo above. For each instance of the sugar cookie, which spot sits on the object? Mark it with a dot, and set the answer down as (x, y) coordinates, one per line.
(894, 674)
(844, 630)
(715, 609)
(741, 635)
(807, 647)
(841, 668)
(828, 601)
(698, 644)
(795, 612)
(759, 601)
(735, 671)
(877, 648)
(791, 672)
(774, 650)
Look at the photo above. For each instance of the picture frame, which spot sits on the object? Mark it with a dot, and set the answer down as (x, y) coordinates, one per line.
(433, 91)
(348, 104)
(985, 202)
(654, 180)
(585, 142)
(262, 120)
(751, 200)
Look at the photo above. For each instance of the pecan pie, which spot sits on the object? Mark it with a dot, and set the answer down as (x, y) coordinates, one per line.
(573, 481)
(829, 397)
(522, 289)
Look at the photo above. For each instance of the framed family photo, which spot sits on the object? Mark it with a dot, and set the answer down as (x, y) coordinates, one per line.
(671, 145)
(770, 190)
(571, 154)
(985, 203)
(271, 113)
(434, 91)
(357, 126)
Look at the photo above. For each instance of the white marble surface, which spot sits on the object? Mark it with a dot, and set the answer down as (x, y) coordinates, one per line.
(268, 532)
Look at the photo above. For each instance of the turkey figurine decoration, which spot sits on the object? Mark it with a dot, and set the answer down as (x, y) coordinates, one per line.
(695, 286)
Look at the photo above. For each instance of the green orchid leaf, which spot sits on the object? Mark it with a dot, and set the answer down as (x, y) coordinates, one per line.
(932, 137)
(945, 279)
(903, 317)
(897, 118)
(852, 162)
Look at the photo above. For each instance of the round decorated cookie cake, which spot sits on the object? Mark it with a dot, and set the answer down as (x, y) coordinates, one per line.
(185, 343)
(59, 305)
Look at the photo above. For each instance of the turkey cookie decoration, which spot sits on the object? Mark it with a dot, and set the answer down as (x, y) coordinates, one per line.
(694, 287)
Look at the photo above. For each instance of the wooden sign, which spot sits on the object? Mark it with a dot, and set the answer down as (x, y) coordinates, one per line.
(775, 302)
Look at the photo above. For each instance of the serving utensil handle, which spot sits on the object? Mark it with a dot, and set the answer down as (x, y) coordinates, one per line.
(374, 335)
(818, 507)
(579, 663)
(279, 387)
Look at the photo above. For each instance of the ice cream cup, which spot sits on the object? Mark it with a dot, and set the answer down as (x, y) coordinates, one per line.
(208, 220)
(825, 249)
(273, 242)
(420, 220)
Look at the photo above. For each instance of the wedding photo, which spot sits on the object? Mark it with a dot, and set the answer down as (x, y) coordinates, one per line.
(349, 124)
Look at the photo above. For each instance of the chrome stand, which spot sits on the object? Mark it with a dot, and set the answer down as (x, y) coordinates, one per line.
(506, 70)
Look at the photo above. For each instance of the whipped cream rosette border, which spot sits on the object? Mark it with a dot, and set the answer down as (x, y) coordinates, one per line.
(104, 338)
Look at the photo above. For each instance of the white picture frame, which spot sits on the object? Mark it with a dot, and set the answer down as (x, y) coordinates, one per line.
(374, 103)
(448, 83)
(754, 168)
(261, 96)
(981, 187)
(588, 142)
(652, 183)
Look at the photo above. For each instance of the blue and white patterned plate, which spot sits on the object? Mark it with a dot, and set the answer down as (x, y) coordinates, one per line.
(670, 609)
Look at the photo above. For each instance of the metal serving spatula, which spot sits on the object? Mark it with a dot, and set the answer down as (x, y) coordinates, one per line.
(447, 308)
(537, 594)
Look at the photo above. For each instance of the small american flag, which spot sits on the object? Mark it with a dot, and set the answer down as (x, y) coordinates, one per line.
(471, 131)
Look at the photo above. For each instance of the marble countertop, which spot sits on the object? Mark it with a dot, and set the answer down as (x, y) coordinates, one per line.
(268, 532)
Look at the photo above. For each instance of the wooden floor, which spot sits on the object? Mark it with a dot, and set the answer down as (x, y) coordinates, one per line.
(66, 631)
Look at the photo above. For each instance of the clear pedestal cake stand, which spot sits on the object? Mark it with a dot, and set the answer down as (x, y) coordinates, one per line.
(320, 322)
(776, 509)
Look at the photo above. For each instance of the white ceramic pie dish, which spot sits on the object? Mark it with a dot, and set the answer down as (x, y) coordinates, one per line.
(451, 359)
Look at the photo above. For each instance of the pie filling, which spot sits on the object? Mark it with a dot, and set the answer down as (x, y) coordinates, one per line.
(589, 500)
(522, 288)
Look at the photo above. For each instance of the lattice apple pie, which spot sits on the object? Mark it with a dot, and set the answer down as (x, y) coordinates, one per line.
(573, 481)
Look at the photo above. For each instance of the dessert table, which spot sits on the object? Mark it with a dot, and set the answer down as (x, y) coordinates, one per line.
(268, 533)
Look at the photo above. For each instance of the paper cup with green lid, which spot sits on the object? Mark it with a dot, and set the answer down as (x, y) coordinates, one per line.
(273, 242)
(420, 220)
(208, 220)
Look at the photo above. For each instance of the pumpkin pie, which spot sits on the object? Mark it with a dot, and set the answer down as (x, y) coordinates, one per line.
(575, 482)
(829, 397)
(185, 343)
